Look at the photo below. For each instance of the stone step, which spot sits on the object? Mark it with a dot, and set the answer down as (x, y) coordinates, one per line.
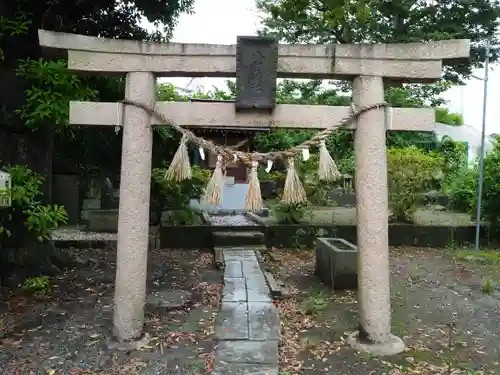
(238, 238)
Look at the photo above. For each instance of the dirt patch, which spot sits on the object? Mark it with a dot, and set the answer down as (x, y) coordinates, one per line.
(65, 331)
(431, 290)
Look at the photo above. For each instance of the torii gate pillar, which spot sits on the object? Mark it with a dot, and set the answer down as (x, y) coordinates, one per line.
(372, 212)
(133, 218)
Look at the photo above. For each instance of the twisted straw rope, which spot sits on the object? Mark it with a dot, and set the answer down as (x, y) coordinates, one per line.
(228, 152)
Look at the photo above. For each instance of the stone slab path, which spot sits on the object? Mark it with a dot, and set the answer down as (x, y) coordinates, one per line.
(248, 324)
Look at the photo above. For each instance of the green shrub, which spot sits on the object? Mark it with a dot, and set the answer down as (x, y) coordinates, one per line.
(272, 176)
(462, 190)
(347, 165)
(454, 160)
(39, 218)
(289, 213)
(38, 284)
(491, 187)
(174, 196)
(318, 193)
(307, 170)
(411, 171)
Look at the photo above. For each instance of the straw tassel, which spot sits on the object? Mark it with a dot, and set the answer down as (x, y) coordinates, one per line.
(294, 192)
(213, 191)
(179, 168)
(253, 200)
(327, 169)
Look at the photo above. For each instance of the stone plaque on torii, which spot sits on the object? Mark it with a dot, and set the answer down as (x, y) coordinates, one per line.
(365, 64)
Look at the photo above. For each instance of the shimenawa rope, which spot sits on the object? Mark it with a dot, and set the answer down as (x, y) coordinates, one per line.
(293, 193)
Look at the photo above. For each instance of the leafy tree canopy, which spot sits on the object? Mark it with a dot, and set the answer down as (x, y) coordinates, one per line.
(21, 19)
(106, 18)
(27, 76)
(387, 21)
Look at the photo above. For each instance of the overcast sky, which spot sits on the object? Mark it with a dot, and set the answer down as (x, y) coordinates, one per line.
(221, 24)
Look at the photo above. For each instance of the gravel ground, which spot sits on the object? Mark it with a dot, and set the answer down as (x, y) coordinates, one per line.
(234, 220)
(65, 331)
(431, 289)
(80, 234)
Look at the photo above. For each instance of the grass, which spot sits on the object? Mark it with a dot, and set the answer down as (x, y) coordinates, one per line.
(347, 216)
(486, 262)
(315, 303)
(488, 286)
(483, 256)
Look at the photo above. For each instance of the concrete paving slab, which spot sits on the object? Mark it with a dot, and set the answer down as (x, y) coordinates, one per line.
(233, 269)
(235, 290)
(249, 352)
(222, 368)
(251, 269)
(232, 321)
(257, 290)
(258, 295)
(264, 321)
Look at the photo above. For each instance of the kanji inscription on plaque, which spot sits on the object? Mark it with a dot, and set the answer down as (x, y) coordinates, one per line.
(256, 73)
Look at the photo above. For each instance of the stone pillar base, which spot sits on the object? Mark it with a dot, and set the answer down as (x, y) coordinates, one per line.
(128, 346)
(392, 347)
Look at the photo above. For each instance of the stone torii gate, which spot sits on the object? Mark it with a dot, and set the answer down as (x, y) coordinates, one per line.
(366, 65)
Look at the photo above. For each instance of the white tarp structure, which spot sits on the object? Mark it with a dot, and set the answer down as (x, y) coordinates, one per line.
(464, 133)
(5, 197)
